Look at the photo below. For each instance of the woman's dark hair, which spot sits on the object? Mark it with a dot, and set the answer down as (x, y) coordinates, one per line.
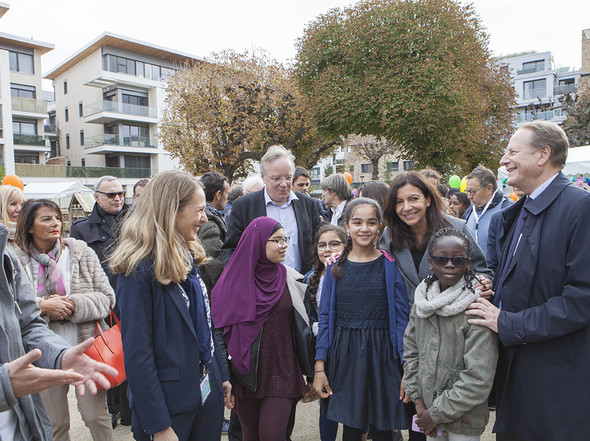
(462, 197)
(399, 232)
(318, 265)
(26, 219)
(451, 232)
(375, 190)
(350, 209)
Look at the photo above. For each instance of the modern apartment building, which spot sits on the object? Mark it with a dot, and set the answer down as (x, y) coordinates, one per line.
(24, 128)
(538, 86)
(109, 98)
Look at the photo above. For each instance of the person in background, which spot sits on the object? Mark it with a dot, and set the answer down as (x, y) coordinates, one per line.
(337, 194)
(73, 292)
(541, 309)
(138, 188)
(11, 201)
(235, 191)
(176, 378)
(458, 202)
(432, 176)
(301, 183)
(376, 190)
(253, 183)
(25, 339)
(486, 199)
(100, 230)
(212, 234)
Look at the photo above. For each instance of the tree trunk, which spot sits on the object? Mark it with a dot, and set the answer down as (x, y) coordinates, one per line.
(375, 164)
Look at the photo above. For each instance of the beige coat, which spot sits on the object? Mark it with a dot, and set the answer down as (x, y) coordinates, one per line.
(90, 289)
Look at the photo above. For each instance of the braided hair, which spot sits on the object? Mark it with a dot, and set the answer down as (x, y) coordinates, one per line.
(350, 209)
(319, 267)
(469, 275)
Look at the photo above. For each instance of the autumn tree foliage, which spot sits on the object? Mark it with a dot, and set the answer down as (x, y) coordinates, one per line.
(230, 109)
(372, 149)
(577, 123)
(416, 72)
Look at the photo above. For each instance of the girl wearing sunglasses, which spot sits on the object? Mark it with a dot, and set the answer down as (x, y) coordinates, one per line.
(449, 364)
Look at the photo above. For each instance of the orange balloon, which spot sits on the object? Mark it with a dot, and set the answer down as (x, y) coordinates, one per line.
(13, 180)
(514, 197)
(348, 177)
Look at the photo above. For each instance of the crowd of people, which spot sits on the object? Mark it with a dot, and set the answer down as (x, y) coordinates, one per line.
(412, 307)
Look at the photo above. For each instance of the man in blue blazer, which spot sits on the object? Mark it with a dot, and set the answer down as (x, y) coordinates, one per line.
(541, 308)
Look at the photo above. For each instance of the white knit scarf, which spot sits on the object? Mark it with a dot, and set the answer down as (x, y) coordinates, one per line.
(451, 301)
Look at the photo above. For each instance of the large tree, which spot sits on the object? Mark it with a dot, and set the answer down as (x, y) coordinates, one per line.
(415, 72)
(230, 109)
(577, 123)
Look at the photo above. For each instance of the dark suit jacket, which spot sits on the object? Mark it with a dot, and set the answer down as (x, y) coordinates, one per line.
(543, 381)
(161, 349)
(249, 207)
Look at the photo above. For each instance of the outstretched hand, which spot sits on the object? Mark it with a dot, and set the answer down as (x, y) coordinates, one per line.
(27, 379)
(92, 371)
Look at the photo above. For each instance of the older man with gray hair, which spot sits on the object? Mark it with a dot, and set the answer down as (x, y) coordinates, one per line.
(336, 193)
(296, 212)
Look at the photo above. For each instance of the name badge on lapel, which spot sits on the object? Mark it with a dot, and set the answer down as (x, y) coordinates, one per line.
(205, 387)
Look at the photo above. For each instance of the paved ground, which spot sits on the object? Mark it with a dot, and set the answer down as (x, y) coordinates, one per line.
(306, 426)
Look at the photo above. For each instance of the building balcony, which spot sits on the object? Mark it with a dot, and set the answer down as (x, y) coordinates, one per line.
(567, 88)
(64, 171)
(29, 107)
(530, 70)
(33, 143)
(50, 129)
(531, 94)
(546, 115)
(108, 143)
(109, 111)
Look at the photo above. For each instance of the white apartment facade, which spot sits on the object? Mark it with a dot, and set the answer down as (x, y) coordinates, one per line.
(24, 134)
(538, 85)
(109, 98)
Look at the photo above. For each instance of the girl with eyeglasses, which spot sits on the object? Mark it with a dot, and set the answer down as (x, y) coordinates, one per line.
(449, 363)
(259, 311)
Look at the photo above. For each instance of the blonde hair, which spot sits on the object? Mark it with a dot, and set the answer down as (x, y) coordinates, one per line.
(150, 232)
(8, 195)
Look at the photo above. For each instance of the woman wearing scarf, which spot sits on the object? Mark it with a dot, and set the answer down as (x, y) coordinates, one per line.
(260, 317)
(73, 292)
(175, 374)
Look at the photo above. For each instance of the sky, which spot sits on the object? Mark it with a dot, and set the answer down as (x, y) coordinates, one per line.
(200, 27)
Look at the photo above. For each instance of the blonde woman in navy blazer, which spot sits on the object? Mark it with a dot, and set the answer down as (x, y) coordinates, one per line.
(168, 338)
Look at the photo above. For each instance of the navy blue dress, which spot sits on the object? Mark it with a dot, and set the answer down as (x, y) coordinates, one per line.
(363, 374)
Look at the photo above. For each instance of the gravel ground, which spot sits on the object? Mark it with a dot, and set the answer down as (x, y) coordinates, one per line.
(306, 425)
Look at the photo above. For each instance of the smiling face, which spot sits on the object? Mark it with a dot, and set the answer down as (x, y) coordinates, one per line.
(190, 218)
(278, 179)
(363, 226)
(46, 228)
(276, 252)
(329, 243)
(13, 210)
(411, 205)
(523, 162)
(448, 274)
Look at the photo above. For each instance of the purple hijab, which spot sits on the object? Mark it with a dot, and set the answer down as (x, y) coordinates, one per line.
(250, 286)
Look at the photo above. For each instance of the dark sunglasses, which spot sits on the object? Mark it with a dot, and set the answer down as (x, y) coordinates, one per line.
(457, 261)
(121, 194)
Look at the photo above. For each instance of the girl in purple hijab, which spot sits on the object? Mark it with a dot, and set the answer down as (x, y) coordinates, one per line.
(253, 307)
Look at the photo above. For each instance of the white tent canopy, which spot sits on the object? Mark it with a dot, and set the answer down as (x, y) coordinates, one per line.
(55, 190)
(578, 162)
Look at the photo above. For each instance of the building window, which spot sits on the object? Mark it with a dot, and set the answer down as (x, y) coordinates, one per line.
(393, 166)
(83, 162)
(23, 91)
(137, 161)
(315, 173)
(80, 109)
(82, 137)
(136, 136)
(20, 62)
(65, 87)
(20, 158)
(408, 165)
(69, 163)
(24, 128)
(366, 168)
(67, 114)
(533, 66)
(67, 141)
(535, 89)
(113, 63)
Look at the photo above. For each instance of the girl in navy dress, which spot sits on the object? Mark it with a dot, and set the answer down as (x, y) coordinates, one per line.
(362, 318)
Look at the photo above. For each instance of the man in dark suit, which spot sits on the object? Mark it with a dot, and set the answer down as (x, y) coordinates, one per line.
(541, 308)
(296, 212)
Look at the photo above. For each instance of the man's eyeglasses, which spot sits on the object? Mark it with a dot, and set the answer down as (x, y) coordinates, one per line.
(121, 194)
(278, 179)
(333, 245)
(472, 192)
(457, 261)
(280, 242)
